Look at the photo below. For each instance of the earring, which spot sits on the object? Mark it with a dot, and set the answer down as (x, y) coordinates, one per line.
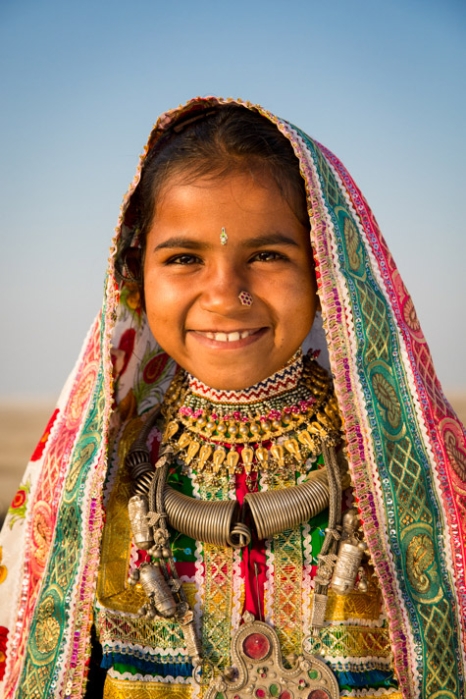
(245, 298)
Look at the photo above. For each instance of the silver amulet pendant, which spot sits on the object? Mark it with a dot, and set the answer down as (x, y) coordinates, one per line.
(349, 557)
(258, 669)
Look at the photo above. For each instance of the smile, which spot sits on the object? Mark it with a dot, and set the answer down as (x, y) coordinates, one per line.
(228, 337)
(234, 340)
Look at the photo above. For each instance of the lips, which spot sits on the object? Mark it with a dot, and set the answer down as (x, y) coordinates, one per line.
(234, 339)
(228, 337)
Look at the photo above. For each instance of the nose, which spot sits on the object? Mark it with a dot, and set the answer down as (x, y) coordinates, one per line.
(222, 288)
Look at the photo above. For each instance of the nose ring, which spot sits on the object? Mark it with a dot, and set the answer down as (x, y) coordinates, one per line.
(245, 298)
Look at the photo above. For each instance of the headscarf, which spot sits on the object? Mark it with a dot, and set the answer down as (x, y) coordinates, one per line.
(405, 447)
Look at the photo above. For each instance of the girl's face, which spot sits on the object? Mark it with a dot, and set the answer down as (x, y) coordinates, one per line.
(192, 281)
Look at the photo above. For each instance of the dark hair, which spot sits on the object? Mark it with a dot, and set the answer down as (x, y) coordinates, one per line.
(213, 142)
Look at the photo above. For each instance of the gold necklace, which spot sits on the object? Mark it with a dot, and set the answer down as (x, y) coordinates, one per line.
(301, 429)
(270, 434)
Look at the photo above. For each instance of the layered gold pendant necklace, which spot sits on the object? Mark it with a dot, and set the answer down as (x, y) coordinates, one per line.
(271, 427)
(278, 425)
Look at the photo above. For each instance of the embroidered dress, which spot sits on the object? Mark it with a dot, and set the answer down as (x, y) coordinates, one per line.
(406, 453)
(272, 579)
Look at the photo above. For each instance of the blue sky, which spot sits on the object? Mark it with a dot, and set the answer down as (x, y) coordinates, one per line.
(381, 83)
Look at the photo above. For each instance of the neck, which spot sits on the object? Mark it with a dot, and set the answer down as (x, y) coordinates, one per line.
(282, 382)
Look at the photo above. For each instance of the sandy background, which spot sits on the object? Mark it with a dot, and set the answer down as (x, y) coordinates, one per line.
(21, 426)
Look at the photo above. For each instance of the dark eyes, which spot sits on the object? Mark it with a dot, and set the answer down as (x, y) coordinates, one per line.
(267, 256)
(184, 260)
(263, 256)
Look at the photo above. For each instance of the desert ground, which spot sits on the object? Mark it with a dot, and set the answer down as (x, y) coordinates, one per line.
(22, 424)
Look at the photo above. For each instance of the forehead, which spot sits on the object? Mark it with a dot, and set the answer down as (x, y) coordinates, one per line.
(242, 200)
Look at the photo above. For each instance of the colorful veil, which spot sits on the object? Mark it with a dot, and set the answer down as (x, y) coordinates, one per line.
(405, 447)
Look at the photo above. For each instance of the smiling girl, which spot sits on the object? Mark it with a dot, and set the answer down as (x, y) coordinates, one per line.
(252, 485)
(192, 281)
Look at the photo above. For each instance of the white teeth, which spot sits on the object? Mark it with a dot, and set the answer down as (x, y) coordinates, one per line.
(228, 337)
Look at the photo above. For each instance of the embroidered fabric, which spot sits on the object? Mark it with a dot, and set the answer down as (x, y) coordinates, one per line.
(405, 447)
(282, 382)
(155, 648)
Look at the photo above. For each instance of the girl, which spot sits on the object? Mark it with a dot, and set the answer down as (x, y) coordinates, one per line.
(252, 484)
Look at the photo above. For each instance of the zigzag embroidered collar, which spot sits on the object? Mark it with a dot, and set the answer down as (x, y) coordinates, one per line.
(282, 382)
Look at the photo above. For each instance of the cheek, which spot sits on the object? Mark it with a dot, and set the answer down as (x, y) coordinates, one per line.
(299, 304)
(165, 332)
(158, 307)
(297, 292)
(160, 295)
(166, 308)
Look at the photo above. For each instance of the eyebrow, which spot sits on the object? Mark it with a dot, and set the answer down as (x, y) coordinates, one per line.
(180, 242)
(270, 239)
(256, 242)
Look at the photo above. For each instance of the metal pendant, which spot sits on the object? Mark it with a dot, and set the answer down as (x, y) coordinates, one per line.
(138, 508)
(160, 597)
(350, 553)
(258, 671)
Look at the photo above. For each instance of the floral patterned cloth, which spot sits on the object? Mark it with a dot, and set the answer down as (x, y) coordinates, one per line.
(405, 447)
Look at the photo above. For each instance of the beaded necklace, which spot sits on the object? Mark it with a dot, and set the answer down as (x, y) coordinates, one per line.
(275, 425)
